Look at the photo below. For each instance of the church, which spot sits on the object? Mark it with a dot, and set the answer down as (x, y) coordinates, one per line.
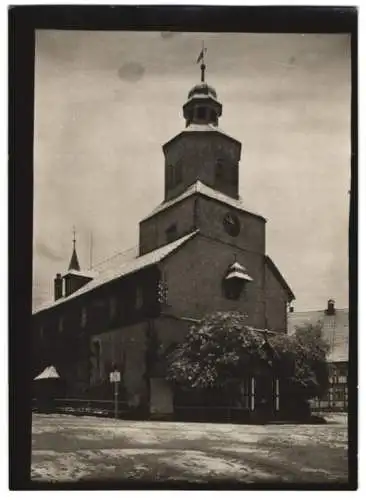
(200, 251)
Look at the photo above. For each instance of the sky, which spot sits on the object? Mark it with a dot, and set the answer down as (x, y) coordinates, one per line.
(106, 102)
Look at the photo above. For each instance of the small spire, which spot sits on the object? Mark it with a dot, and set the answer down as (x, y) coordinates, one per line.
(74, 261)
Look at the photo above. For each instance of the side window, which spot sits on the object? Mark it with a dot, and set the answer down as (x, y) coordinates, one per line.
(96, 352)
(171, 233)
(112, 307)
(139, 298)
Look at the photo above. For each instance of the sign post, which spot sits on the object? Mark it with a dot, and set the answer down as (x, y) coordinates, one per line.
(115, 379)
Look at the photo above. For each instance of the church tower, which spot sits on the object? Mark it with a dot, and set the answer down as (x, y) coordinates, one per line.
(202, 181)
(202, 151)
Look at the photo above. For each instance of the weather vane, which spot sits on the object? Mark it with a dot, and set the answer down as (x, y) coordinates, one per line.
(201, 58)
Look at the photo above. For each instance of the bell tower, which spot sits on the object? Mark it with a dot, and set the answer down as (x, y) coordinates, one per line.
(202, 151)
(202, 181)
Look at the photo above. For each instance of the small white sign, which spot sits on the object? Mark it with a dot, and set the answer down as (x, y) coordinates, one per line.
(115, 376)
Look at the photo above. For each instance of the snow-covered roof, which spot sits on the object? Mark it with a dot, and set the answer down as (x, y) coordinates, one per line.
(335, 329)
(129, 267)
(199, 187)
(204, 127)
(84, 274)
(49, 372)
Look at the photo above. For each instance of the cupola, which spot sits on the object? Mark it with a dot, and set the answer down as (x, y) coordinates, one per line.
(202, 106)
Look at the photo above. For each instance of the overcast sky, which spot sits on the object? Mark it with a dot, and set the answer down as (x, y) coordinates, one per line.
(105, 103)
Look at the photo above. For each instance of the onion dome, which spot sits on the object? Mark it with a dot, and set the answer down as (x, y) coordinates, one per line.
(202, 89)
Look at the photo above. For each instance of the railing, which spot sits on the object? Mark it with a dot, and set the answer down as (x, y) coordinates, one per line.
(320, 405)
(74, 406)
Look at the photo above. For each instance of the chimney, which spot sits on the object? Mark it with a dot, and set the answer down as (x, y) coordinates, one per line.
(330, 311)
(58, 286)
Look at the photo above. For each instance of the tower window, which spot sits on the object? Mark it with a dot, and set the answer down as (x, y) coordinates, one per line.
(178, 173)
(174, 175)
(61, 324)
(169, 176)
(219, 170)
(201, 113)
(171, 233)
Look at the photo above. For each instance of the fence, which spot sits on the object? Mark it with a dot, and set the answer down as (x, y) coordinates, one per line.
(319, 405)
(101, 408)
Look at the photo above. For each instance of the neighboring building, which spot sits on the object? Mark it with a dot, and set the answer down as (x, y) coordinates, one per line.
(335, 328)
(201, 250)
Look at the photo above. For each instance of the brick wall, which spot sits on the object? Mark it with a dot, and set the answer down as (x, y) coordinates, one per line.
(209, 218)
(276, 302)
(210, 222)
(194, 278)
(126, 348)
(153, 230)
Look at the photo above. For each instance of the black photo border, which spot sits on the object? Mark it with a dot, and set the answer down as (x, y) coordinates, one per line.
(23, 21)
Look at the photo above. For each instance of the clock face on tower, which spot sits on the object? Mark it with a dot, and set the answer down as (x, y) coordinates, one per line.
(231, 224)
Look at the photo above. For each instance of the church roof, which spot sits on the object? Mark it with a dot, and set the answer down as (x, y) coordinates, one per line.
(279, 277)
(200, 188)
(115, 272)
(335, 329)
(83, 274)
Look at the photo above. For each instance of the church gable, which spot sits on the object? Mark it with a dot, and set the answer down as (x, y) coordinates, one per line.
(196, 278)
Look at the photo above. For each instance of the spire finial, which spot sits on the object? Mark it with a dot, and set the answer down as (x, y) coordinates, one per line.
(74, 262)
(73, 237)
(200, 58)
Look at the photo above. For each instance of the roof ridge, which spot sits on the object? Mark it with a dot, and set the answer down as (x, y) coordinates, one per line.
(201, 188)
(146, 260)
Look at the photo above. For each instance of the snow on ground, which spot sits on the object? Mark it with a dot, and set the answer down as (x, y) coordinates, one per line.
(71, 448)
